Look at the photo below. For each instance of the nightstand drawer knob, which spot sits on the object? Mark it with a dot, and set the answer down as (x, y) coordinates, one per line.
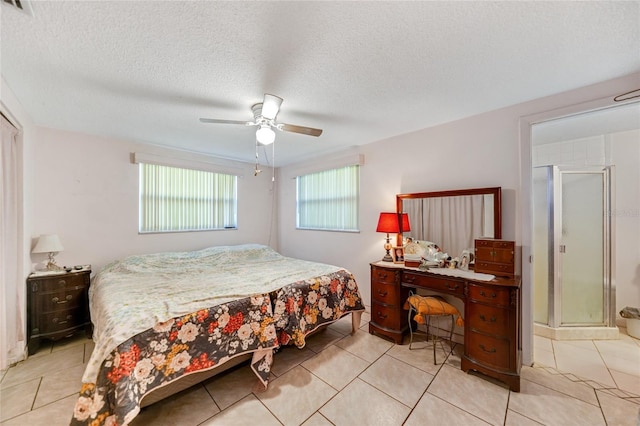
(489, 351)
(381, 316)
(492, 319)
(62, 283)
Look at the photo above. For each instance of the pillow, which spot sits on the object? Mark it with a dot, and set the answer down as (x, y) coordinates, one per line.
(430, 305)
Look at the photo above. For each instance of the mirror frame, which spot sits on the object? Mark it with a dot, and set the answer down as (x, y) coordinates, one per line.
(497, 204)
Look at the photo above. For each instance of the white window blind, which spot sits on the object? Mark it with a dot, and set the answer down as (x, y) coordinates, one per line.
(176, 199)
(329, 200)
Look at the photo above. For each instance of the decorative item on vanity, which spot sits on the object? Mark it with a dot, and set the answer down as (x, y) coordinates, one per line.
(49, 243)
(389, 223)
(495, 257)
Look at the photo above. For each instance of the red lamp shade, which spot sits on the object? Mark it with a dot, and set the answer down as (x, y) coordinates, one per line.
(388, 222)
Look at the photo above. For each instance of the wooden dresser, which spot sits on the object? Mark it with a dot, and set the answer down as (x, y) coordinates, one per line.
(492, 336)
(57, 306)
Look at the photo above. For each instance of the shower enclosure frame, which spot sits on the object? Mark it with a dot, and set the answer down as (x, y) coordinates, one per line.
(555, 246)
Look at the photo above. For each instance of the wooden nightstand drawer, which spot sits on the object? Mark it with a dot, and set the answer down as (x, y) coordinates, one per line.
(386, 316)
(488, 319)
(385, 293)
(68, 299)
(446, 285)
(489, 294)
(489, 350)
(61, 320)
(384, 275)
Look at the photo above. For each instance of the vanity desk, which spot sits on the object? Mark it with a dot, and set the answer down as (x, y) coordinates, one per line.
(492, 341)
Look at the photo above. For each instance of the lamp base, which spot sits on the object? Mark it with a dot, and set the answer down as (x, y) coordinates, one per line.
(51, 266)
(387, 258)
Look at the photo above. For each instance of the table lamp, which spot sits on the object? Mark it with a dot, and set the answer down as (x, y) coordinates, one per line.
(51, 244)
(388, 222)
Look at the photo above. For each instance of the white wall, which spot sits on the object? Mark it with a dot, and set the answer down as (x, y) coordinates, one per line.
(86, 191)
(625, 155)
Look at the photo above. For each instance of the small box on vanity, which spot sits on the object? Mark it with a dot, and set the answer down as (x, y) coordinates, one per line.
(497, 257)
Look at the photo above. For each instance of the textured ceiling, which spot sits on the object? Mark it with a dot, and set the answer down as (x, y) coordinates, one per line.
(362, 71)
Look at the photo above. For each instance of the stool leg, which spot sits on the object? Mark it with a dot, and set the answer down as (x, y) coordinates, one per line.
(410, 328)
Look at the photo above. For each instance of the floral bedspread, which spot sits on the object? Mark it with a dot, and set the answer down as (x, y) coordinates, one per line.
(211, 311)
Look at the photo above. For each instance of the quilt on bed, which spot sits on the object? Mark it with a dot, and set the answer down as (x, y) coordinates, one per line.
(160, 317)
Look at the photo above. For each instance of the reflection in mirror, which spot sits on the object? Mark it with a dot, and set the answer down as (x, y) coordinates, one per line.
(453, 219)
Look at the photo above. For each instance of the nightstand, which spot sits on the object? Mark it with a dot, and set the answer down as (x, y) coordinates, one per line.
(57, 306)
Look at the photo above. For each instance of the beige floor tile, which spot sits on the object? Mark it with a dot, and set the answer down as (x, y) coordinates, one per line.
(336, 366)
(322, 339)
(420, 357)
(627, 382)
(88, 349)
(548, 406)
(585, 363)
(59, 384)
(365, 345)
(189, 407)
(397, 379)
(18, 399)
(34, 367)
(434, 411)
(577, 390)
(544, 357)
(248, 411)
(58, 413)
(288, 357)
(624, 361)
(317, 420)
(618, 411)
(296, 395)
(458, 388)
(231, 386)
(76, 339)
(517, 419)
(362, 404)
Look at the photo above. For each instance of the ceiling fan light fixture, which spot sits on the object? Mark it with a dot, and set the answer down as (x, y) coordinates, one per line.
(265, 135)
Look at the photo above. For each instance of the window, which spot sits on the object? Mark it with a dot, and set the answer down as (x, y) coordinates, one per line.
(176, 199)
(328, 200)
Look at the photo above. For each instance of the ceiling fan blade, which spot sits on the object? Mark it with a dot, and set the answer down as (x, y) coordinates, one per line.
(299, 129)
(215, 120)
(271, 106)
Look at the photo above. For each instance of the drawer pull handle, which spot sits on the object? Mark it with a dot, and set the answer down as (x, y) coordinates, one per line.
(491, 351)
(492, 319)
(453, 287)
(63, 322)
(382, 275)
(482, 293)
(382, 293)
(410, 279)
(381, 316)
(69, 297)
(62, 282)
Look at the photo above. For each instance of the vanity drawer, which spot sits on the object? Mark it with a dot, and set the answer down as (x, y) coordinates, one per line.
(488, 319)
(490, 351)
(386, 316)
(385, 293)
(384, 275)
(446, 285)
(493, 295)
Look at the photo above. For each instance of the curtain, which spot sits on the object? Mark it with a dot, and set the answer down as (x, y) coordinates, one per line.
(10, 319)
(457, 220)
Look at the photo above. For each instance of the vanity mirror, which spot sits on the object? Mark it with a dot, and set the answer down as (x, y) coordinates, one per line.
(452, 219)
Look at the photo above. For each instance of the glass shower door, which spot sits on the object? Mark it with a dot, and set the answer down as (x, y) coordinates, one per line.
(581, 248)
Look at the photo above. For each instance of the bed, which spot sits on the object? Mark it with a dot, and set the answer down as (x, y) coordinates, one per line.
(161, 320)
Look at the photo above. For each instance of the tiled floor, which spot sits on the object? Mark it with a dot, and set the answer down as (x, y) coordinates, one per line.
(362, 379)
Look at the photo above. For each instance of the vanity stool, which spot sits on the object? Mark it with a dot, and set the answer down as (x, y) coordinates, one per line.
(430, 311)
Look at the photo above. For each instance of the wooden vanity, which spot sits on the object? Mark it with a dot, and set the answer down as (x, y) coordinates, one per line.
(492, 340)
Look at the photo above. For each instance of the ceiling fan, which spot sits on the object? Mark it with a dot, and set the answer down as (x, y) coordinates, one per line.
(264, 116)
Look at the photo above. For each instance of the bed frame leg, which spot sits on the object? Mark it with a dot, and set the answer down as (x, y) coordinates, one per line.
(355, 321)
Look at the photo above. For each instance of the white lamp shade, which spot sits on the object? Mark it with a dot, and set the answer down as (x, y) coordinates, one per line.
(265, 135)
(49, 243)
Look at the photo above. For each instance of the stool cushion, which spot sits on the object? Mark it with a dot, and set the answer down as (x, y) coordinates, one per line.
(429, 305)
